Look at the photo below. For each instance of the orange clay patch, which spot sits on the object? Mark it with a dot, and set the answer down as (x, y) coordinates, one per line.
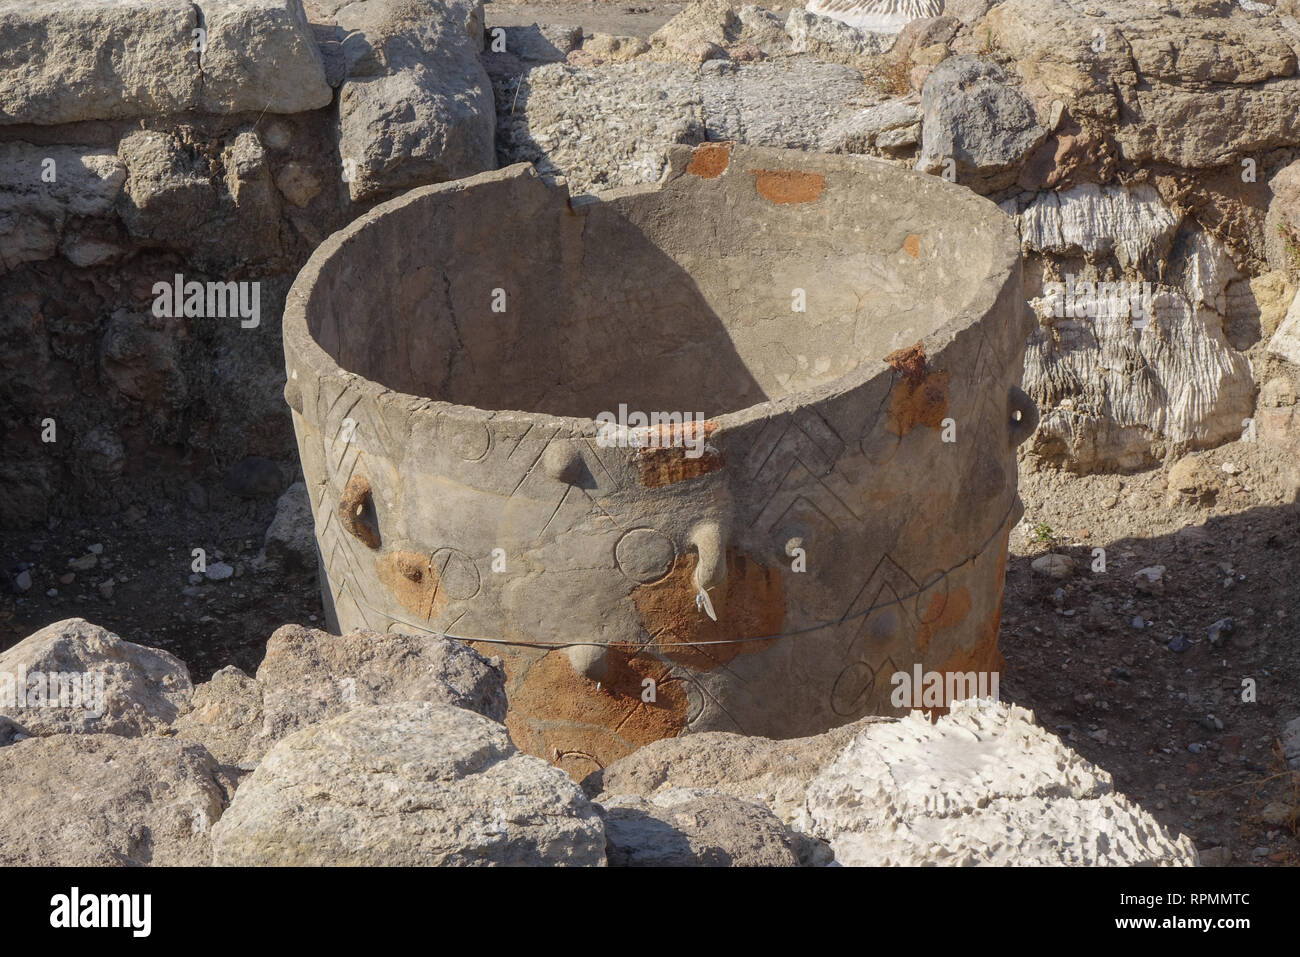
(662, 458)
(912, 245)
(920, 397)
(750, 603)
(412, 580)
(709, 160)
(787, 186)
(984, 655)
(944, 611)
(982, 658)
(583, 725)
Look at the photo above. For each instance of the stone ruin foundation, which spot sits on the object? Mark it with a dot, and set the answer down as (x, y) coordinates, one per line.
(724, 453)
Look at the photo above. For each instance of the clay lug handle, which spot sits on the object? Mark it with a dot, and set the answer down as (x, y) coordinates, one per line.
(357, 512)
(1023, 415)
(710, 565)
(589, 661)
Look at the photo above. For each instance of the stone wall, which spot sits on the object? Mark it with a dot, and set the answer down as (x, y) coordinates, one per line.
(217, 142)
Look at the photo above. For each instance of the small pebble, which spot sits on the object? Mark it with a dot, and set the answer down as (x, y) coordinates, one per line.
(1224, 626)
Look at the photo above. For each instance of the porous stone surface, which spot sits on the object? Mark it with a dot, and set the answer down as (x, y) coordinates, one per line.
(11, 731)
(102, 800)
(612, 126)
(412, 784)
(260, 55)
(51, 70)
(226, 718)
(615, 49)
(832, 39)
(884, 128)
(761, 770)
(308, 675)
(599, 128)
(143, 689)
(694, 828)
(42, 188)
(224, 56)
(1199, 90)
(416, 105)
(289, 541)
(982, 785)
(977, 122)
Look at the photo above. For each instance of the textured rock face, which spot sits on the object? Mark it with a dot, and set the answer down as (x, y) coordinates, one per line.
(976, 126)
(983, 785)
(831, 39)
(1128, 285)
(613, 126)
(775, 774)
(877, 130)
(102, 800)
(1285, 343)
(244, 55)
(41, 188)
(83, 679)
(409, 784)
(413, 71)
(309, 675)
(1134, 225)
(260, 55)
(1282, 222)
(51, 70)
(226, 718)
(694, 828)
(599, 128)
(1199, 91)
(289, 541)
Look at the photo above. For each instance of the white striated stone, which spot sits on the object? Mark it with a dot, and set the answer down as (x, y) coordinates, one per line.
(878, 16)
(984, 785)
(1134, 224)
(1111, 395)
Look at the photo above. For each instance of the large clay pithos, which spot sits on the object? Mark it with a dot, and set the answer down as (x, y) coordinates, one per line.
(839, 344)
